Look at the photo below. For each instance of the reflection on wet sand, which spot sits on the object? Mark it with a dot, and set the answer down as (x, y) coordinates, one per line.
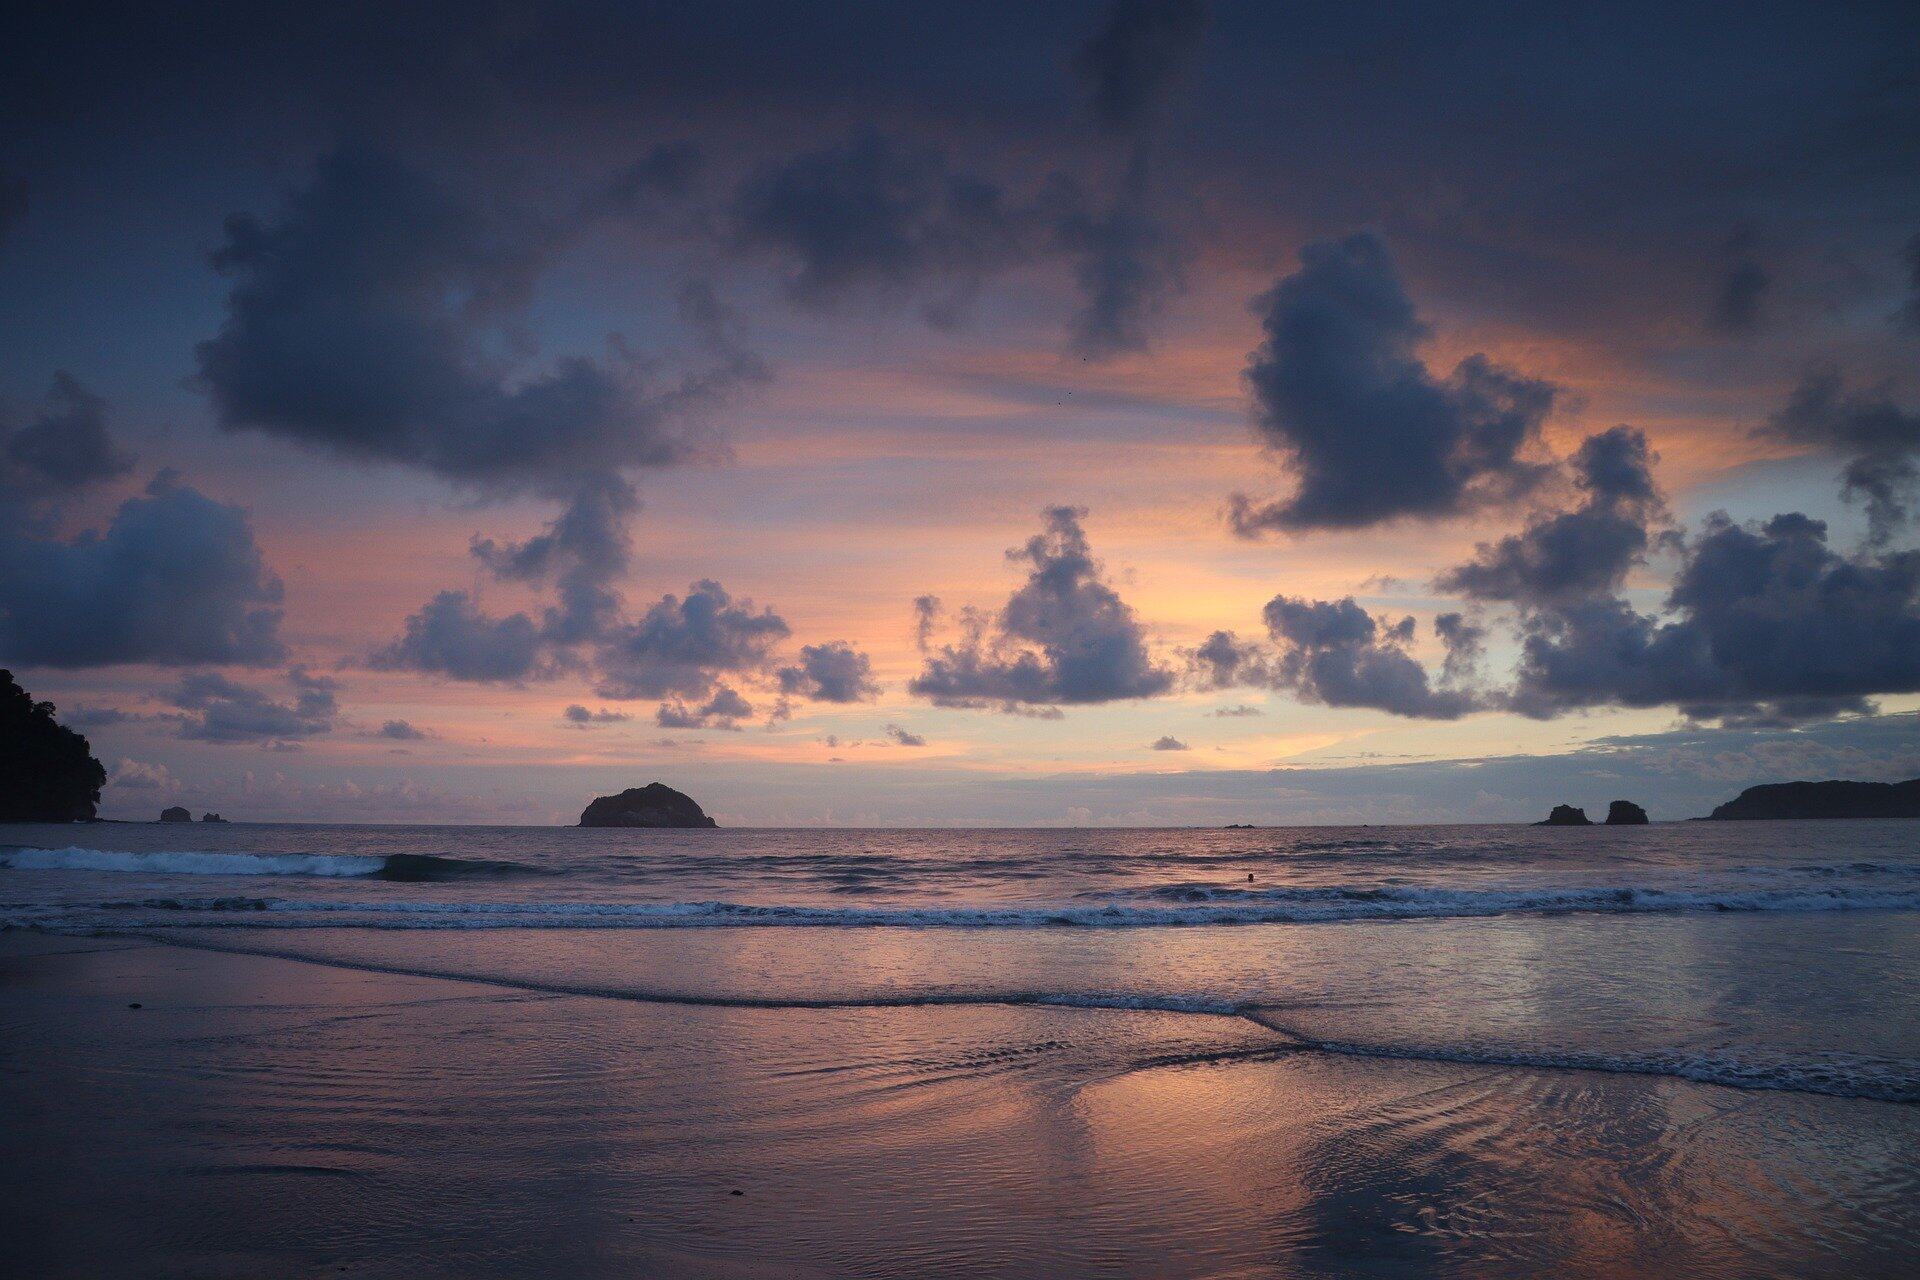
(265, 1116)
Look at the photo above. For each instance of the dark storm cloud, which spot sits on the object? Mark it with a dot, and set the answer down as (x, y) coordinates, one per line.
(1126, 262)
(450, 636)
(1879, 440)
(723, 710)
(226, 712)
(1063, 637)
(1131, 64)
(1338, 654)
(1910, 310)
(655, 184)
(682, 644)
(831, 672)
(1581, 552)
(13, 205)
(65, 447)
(175, 578)
(871, 215)
(1736, 307)
(402, 731)
(1769, 625)
(358, 323)
(1371, 434)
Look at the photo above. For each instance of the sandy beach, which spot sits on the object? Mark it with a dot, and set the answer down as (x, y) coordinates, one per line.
(265, 1116)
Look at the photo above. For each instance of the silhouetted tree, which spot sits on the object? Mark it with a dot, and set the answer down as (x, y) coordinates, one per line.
(47, 771)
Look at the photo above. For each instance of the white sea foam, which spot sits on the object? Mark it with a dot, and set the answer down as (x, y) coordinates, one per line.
(1272, 907)
(194, 863)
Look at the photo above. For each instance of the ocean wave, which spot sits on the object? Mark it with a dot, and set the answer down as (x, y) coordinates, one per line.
(396, 866)
(1215, 907)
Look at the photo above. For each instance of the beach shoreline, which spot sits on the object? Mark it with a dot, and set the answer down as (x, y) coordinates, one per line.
(263, 1115)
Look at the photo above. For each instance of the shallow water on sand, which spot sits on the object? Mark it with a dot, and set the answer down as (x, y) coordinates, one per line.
(1680, 1049)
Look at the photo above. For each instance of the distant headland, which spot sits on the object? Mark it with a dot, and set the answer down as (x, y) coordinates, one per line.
(47, 771)
(654, 805)
(1837, 799)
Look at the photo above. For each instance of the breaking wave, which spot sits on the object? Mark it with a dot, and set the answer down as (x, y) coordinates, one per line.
(396, 866)
(1190, 906)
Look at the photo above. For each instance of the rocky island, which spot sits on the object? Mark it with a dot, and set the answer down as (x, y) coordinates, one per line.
(1836, 799)
(1621, 813)
(654, 805)
(175, 813)
(47, 771)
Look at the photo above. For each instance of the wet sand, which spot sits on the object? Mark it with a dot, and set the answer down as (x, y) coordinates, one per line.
(265, 1116)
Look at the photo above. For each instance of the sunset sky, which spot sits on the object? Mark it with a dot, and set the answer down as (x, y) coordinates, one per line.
(979, 414)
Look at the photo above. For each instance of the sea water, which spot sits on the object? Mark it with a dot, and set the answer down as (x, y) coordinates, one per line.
(1771, 955)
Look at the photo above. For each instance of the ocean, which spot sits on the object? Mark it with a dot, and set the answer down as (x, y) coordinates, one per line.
(1398, 1050)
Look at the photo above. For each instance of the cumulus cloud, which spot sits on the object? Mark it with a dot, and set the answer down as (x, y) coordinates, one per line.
(575, 714)
(682, 644)
(582, 552)
(65, 447)
(903, 738)
(1168, 743)
(723, 710)
(1768, 625)
(223, 711)
(401, 731)
(139, 775)
(176, 578)
(1239, 711)
(1580, 552)
(1370, 433)
(1064, 637)
(1338, 654)
(832, 672)
(1132, 63)
(450, 636)
(1879, 440)
(1465, 642)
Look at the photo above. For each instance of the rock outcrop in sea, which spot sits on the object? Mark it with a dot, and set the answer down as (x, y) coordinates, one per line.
(1565, 815)
(47, 771)
(1836, 799)
(654, 805)
(1625, 813)
(211, 817)
(175, 813)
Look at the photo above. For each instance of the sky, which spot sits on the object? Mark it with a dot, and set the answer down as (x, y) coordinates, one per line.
(1152, 412)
